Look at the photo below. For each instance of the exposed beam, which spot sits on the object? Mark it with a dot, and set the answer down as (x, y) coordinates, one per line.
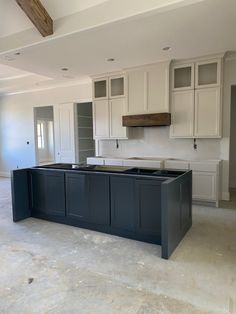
(38, 16)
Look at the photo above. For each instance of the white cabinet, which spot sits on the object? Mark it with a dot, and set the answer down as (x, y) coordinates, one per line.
(109, 105)
(113, 162)
(204, 186)
(100, 88)
(207, 112)
(143, 163)
(183, 77)
(182, 114)
(117, 86)
(95, 161)
(101, 119)
(176, 164)
(117, 110)
(148, 89)
(206, 178)
(196, 99)
(208, 73)
(137, 93)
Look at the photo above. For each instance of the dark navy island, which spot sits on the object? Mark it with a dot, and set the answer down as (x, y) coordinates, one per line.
(149, 205)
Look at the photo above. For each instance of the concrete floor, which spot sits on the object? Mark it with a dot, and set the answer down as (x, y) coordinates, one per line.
(51, 268)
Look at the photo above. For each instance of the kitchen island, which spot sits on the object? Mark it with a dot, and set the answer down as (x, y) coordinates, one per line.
(150, 205)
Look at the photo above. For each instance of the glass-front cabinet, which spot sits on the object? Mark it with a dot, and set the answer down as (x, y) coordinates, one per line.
(208, 73)
(100, 88)
(183, 77)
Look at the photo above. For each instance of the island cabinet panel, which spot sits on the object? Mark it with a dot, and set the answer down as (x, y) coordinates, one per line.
(87, 198)
(176, 212)
(99, 199)
(123, 203)
(77, 196)
(20, 194)
(148, 207)
(47, 192)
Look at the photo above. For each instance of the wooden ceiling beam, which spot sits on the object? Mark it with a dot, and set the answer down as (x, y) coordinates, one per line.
(38, 16)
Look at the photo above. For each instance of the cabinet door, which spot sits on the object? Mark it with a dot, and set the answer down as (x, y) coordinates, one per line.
(158, 88)
(208, 73)
(117, 110)
(204, 186)
(183, 77)
(100, 88)
(137, 91)
(99, 199)
(47, 192)
(117, 86)
(123, 203)
(38, 197)
(55, 193)
(101, 119)
(148, 207)
(64, 124)
(182, 110)
(207, 112)
(77, 196)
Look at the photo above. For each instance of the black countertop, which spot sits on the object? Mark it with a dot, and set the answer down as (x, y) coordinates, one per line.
(115, 169)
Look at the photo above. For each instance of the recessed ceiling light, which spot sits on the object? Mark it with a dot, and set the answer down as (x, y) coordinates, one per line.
(167, 48)
(64, 69)
(17, 53)
(110, 59)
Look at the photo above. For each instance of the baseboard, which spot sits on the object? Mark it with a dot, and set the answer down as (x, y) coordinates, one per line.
(206, 203)
(5, 174)
(225, 196)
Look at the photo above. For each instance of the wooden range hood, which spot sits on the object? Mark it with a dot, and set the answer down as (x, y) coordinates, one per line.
(152, 119)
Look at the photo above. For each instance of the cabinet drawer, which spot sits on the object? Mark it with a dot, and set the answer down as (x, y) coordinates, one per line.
(206, 166)
(172, 164)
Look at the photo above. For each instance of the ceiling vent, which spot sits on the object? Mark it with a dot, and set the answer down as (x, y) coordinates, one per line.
(153, 119)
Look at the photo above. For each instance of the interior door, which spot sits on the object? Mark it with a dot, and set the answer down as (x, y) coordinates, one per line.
(65, 132)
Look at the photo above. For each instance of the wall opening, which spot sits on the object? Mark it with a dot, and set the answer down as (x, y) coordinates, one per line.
(44, 135)
(232, 157)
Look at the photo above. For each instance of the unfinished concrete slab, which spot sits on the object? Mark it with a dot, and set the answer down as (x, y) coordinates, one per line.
(52, 268)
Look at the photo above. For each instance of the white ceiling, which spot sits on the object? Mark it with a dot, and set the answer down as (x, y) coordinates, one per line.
(205, 27)
(14, 20)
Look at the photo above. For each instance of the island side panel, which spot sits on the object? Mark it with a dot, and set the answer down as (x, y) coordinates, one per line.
(20, 194)
(176, 212)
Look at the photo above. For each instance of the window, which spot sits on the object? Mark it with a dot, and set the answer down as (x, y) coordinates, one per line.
(40, 134)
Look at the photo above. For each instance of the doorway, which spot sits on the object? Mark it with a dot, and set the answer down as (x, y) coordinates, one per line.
(232, 157)
(44, 135)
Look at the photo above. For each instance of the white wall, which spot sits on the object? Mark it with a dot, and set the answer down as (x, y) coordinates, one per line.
(17, 122)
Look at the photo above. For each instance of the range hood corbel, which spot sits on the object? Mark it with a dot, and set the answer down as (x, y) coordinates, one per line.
(152, 119)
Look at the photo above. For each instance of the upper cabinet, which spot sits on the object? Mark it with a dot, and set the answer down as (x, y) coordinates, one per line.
(109, 105)
(117, 86)
(148, 89)
(208, 73)
(183, 77)
(197, 99)
(100, 88)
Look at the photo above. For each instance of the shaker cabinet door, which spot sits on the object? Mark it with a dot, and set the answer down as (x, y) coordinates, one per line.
(182, 110)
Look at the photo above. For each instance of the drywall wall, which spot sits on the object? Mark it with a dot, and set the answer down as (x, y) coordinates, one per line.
(17, 143)
(156, 141)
